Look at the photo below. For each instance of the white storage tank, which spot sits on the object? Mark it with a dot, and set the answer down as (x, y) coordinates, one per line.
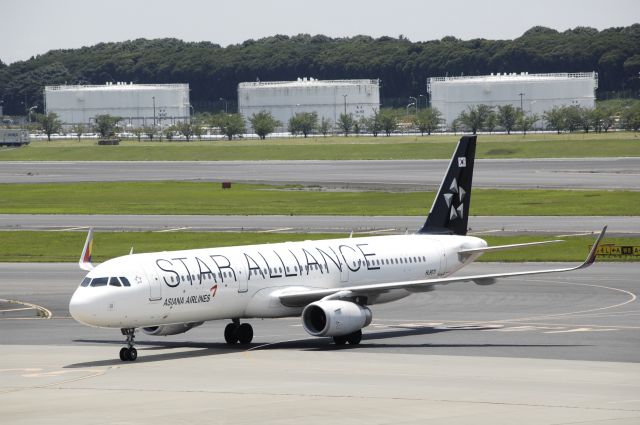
(137, 104)
(535, 93)
(328, 98)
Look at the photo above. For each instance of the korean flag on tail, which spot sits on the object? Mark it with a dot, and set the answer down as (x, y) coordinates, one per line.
(462, 161)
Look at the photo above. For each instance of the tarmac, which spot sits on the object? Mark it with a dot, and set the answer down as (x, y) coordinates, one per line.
(618, 226)
(561, 173)
(552, 349)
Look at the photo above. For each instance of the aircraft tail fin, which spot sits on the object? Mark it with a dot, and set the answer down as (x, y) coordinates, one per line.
(450, 210)
(85, 257)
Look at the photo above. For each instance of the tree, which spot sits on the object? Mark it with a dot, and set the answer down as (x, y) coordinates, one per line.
(325, 126)
(230, 124)
(427, 120)
(169, 132)
(264, 123)
(491, 122)
(50, 123)
(455, 125)
(631, 117)
(105, 125)
(525, 122)
(372, 124)
(507, 117)
(572, 118)
(587, 117)
(149, 131)
(303, 122)
(475, 117)
(185, 128)
(388, 119)
(345, 123)
(555, 119)
(78, 129)
(138, 132)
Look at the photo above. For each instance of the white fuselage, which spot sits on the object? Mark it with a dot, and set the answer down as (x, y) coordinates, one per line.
(246, 281)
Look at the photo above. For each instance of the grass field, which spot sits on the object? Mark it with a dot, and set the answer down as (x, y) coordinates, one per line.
(334, 148)
(208, 198)
(23, 246)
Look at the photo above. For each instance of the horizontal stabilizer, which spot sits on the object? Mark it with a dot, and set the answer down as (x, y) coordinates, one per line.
(504, 247)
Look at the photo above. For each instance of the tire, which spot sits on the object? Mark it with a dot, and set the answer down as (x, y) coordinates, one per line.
(230, 334)
(244, 333)
(340, 340)
(355, 338)
(132, 354)
(123, 354)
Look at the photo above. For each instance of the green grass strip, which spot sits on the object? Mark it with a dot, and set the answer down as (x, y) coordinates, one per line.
(208, 198)
(26, 246)
(334, 148)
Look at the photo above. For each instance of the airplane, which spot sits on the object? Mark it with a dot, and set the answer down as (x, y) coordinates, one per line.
(330, 284)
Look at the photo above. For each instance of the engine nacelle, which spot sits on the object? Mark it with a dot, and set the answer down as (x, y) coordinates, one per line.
(164, 330)
(334, 318)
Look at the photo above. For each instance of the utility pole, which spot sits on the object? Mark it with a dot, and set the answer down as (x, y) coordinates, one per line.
(345, 103)
(154, 111)
(415, 101)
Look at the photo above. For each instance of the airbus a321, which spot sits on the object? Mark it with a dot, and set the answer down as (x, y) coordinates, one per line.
(330, 284)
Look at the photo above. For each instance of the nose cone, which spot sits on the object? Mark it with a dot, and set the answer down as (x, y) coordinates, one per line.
(79, 307)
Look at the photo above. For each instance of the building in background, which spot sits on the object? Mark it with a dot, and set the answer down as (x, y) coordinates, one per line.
(137, 104)
(534, 93)
(328, 98)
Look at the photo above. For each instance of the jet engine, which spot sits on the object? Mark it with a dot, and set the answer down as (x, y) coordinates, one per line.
(164, 330)
(334, 318)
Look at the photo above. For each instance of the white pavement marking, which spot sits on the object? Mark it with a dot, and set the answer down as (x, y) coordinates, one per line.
(47, 314)
(282, 229)
(69, 229)
(580, 330)
(575, 234)
(176, 229)
(371, 232)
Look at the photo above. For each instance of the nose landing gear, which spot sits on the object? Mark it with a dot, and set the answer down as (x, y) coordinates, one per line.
(128, 353)
(236, 332)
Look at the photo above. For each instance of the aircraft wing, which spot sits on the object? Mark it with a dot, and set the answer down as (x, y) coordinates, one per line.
(298, 298)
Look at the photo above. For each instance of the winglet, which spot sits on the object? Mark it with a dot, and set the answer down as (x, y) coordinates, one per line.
(85, 257)
(591, 258)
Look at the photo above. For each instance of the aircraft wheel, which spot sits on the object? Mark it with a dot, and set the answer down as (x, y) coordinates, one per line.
(132, 354)
(123, 354)
(244, 333)
(230, 333)
(340, 340)
(355, 338)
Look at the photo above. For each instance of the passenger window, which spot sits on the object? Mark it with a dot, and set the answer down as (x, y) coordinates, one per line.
(125, 281)
(99, 281)
(113, 281)
(86, 281)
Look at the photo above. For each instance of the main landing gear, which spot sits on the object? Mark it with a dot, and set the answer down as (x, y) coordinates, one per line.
(237, 332)
(128, 353)
(353, 338)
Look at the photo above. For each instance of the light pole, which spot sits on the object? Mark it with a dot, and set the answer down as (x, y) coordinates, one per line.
(153, 98)
(415, 102)
(345, 103)
(409, 106)
(426, 99)
(31, 111)
(193, 111)
(521, 95)
(226, 105)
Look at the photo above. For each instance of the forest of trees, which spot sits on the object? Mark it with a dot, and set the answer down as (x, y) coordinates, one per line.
(213, 72)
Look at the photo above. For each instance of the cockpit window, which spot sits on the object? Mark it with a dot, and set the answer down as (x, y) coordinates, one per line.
(86, 281)
(99, 281)
(124, 281)
(113, 281)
